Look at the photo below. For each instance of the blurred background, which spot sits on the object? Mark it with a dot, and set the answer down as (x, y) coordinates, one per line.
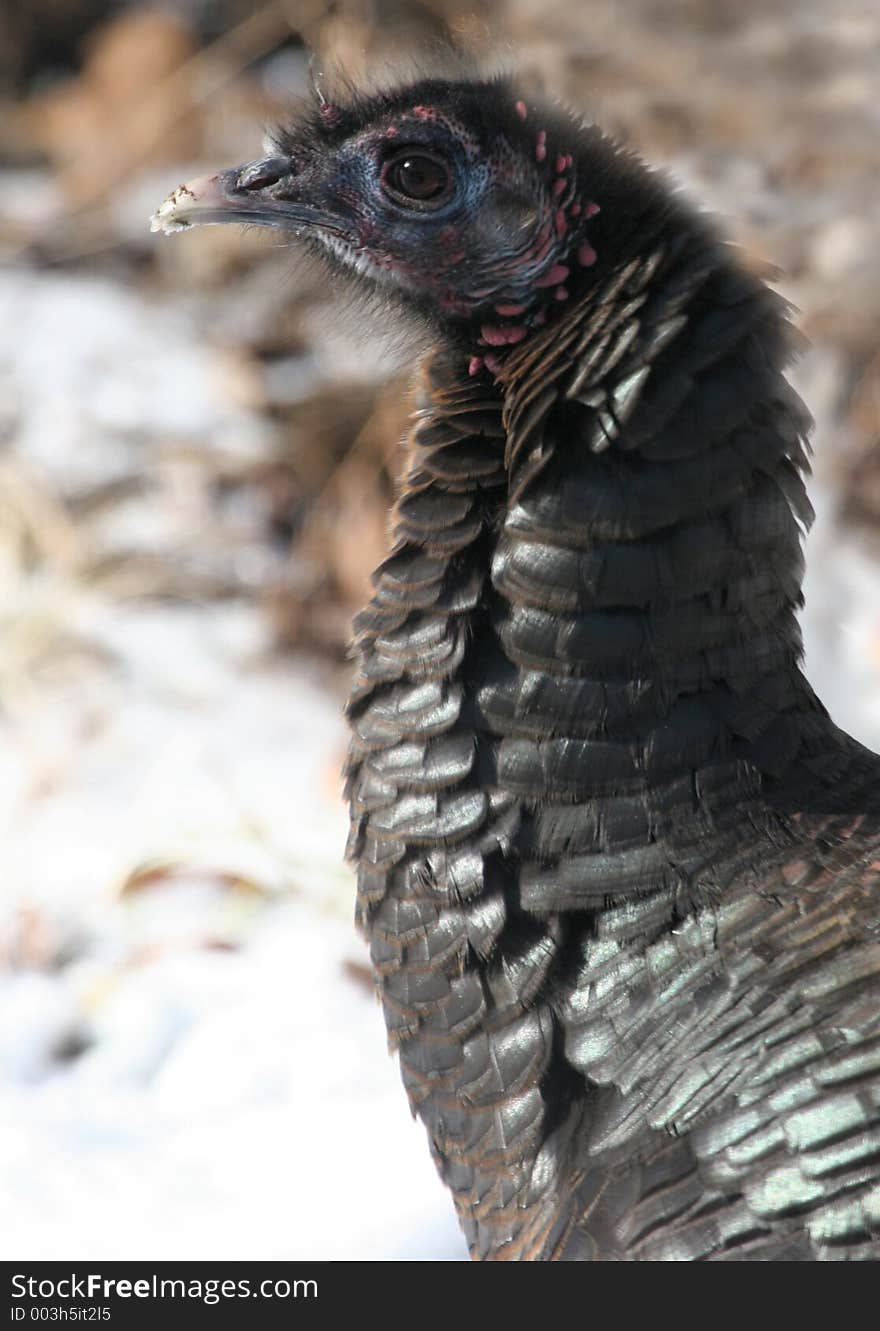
(196, 457)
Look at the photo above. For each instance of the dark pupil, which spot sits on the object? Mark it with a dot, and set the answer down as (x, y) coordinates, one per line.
(418, 177)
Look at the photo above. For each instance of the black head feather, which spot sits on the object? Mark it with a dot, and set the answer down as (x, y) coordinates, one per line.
(481, 212)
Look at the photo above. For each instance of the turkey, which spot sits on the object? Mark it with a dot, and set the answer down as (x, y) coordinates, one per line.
(618, 869)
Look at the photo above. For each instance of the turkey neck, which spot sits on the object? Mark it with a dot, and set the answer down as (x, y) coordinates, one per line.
(582, 651)
(647, 573)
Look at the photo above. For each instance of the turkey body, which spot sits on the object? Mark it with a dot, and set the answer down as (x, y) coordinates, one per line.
(618, 869)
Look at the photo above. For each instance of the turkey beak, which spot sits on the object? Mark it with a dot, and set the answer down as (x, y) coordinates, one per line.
(249, 193)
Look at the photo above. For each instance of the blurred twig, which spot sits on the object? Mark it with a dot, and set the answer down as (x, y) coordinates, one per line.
(150, 119)
(193, 82)
(30, 513)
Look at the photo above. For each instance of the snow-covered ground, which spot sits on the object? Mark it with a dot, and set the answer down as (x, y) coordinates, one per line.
(192, 1060)
(195, 1067)
(193, 1064)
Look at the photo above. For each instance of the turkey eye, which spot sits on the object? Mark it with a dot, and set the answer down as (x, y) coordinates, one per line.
(416, 177)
